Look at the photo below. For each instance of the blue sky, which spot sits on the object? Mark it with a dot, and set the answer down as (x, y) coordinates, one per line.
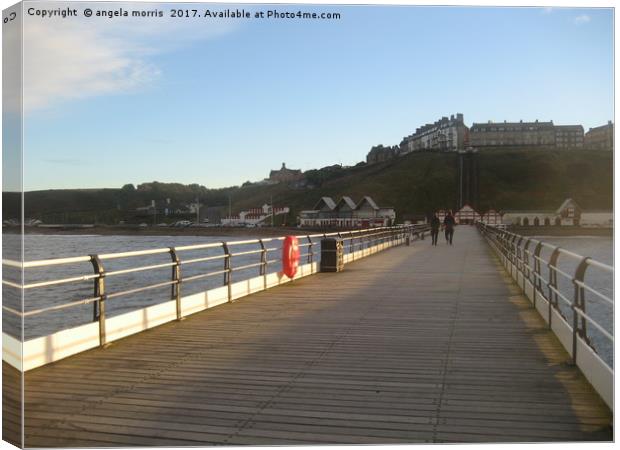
(110, 102)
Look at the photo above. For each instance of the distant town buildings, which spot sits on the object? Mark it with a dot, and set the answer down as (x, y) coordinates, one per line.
(600, 138)
(447, 134)
(166, 208)
(451, 134)
(285, 175)
(347, 214)
(256, 216)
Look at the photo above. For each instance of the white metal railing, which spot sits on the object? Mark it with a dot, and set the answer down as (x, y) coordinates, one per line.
(538, 275)
(259, 257)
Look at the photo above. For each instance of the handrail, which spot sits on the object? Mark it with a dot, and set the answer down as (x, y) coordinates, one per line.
(255, 258)
(504, 242)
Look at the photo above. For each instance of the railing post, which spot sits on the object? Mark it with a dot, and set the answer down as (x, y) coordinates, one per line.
(310, 251)
(579, 303)
(513, 252)
(227, 270)
(175, 288)
(537, 271)
(363, 243)
(501, 241)
(99, 291)
(519, 255)
(526, 259)
(262, 269)
(553, 281)
(352, 246)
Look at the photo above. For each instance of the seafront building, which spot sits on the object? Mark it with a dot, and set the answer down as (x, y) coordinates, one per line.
(256, 216)
(492, 217)
(347, 214)
(467, 215)
(569, 213)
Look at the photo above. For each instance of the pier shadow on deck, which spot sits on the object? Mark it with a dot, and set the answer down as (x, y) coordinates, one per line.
(415, 344)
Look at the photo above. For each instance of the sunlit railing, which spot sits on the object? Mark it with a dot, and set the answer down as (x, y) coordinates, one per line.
(251, 258)
(560, 294)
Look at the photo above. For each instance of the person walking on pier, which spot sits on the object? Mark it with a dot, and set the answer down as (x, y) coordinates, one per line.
(435, 224)
(449, 223)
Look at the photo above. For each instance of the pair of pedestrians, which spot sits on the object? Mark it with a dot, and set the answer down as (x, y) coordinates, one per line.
(448, 226)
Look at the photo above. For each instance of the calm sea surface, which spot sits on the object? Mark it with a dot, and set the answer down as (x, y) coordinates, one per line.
(58, 246)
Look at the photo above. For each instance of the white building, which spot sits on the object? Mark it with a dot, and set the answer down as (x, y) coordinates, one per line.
(569, 213)
(597, 219)
(347, 214)
(466, 214)
(492, 217)
(256, 216)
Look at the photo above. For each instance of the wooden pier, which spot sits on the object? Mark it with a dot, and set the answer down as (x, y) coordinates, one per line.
(412, 345)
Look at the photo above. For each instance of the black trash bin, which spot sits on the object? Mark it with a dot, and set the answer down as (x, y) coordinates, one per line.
(332, 255)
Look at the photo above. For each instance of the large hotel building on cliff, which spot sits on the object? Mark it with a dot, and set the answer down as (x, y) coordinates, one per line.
(600, 138)
(525, 134)
(443, 135)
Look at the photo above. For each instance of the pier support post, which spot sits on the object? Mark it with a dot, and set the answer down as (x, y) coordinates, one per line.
(553, 282)
(227, 270)
(352, 246)
(310, 250)
(579, 303)
(99, 292)
(537, 272)
(175, 288)
(262, 271)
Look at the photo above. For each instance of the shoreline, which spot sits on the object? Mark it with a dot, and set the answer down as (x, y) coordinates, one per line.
(266, 231)
(167, 231)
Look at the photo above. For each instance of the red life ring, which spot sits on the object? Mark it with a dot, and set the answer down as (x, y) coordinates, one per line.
(290, 256)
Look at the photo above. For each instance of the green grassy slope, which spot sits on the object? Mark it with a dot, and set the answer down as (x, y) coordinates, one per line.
(542, 179)
(419, 183)
(414, 184)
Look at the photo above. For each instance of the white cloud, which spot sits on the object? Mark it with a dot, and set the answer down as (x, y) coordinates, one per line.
(584, 18)
(69, 59)
(72, 62)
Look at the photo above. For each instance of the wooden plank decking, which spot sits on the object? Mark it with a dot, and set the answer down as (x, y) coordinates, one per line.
(415, 344)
